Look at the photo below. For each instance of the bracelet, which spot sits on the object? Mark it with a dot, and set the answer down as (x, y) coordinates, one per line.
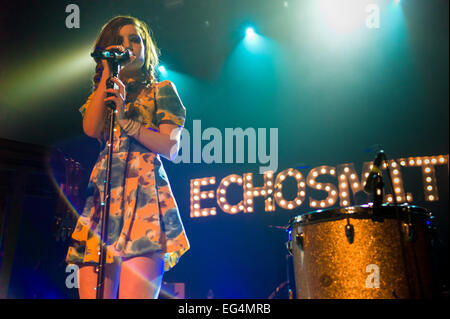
(127, 126)
(132, 127)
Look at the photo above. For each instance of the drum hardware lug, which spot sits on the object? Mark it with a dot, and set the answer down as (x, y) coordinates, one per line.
(410, 232)
(349, 233)
(394, 294)
(433, 233)
(289, 247)
(300, 240)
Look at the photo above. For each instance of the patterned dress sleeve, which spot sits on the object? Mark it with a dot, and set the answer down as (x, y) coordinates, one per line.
(86, 105)
(169, 108)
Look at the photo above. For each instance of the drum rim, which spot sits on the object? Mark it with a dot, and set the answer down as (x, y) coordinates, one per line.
(358, 212)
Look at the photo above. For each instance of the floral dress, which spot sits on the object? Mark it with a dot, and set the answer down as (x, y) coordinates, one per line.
(143, 216)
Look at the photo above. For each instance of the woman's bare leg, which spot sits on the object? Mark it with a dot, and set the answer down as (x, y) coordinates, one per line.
(88, 281)
(141, 277)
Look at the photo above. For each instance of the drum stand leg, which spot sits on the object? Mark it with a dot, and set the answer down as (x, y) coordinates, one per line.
(399, 226)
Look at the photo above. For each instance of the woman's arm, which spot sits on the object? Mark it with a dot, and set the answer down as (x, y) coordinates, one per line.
(165, 142)
(95, 116)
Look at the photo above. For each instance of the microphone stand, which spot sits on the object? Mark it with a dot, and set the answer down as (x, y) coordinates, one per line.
(375, 183)
(114, 65)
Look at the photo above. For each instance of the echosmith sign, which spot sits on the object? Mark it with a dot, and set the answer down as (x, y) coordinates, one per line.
(347, 180)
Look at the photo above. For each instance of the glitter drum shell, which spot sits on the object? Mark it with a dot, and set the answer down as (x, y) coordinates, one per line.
(357, 253)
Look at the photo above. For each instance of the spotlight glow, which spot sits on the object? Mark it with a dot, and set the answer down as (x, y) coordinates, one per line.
(162, 70)
(45, 76)
(250, 33)
(342, 16)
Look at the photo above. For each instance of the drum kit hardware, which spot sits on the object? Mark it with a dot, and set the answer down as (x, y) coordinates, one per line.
(371, 251)
(66, 216)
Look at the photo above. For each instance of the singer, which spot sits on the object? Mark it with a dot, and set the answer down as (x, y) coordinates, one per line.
(146, 236)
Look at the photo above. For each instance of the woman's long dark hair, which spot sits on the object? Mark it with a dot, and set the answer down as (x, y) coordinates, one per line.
(109, 35)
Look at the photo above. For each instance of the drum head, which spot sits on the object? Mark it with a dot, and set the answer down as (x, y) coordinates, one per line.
(386, 211)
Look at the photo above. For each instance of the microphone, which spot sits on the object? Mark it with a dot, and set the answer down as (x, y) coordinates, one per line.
(376, 168)
(113, 55)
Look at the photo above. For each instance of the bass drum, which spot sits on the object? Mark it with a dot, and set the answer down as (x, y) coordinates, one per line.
(361, 252)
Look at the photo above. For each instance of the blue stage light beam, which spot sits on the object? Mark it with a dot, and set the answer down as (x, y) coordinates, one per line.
(250, 33)
(162, 70)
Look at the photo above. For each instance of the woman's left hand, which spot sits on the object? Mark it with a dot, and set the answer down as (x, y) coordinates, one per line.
(119, 99)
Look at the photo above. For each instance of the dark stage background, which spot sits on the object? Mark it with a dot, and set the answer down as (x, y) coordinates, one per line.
(332, 95)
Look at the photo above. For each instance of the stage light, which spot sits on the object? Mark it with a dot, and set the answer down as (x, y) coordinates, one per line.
(341, 16)
(250, 33)
(162, 70)
(44, 76)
